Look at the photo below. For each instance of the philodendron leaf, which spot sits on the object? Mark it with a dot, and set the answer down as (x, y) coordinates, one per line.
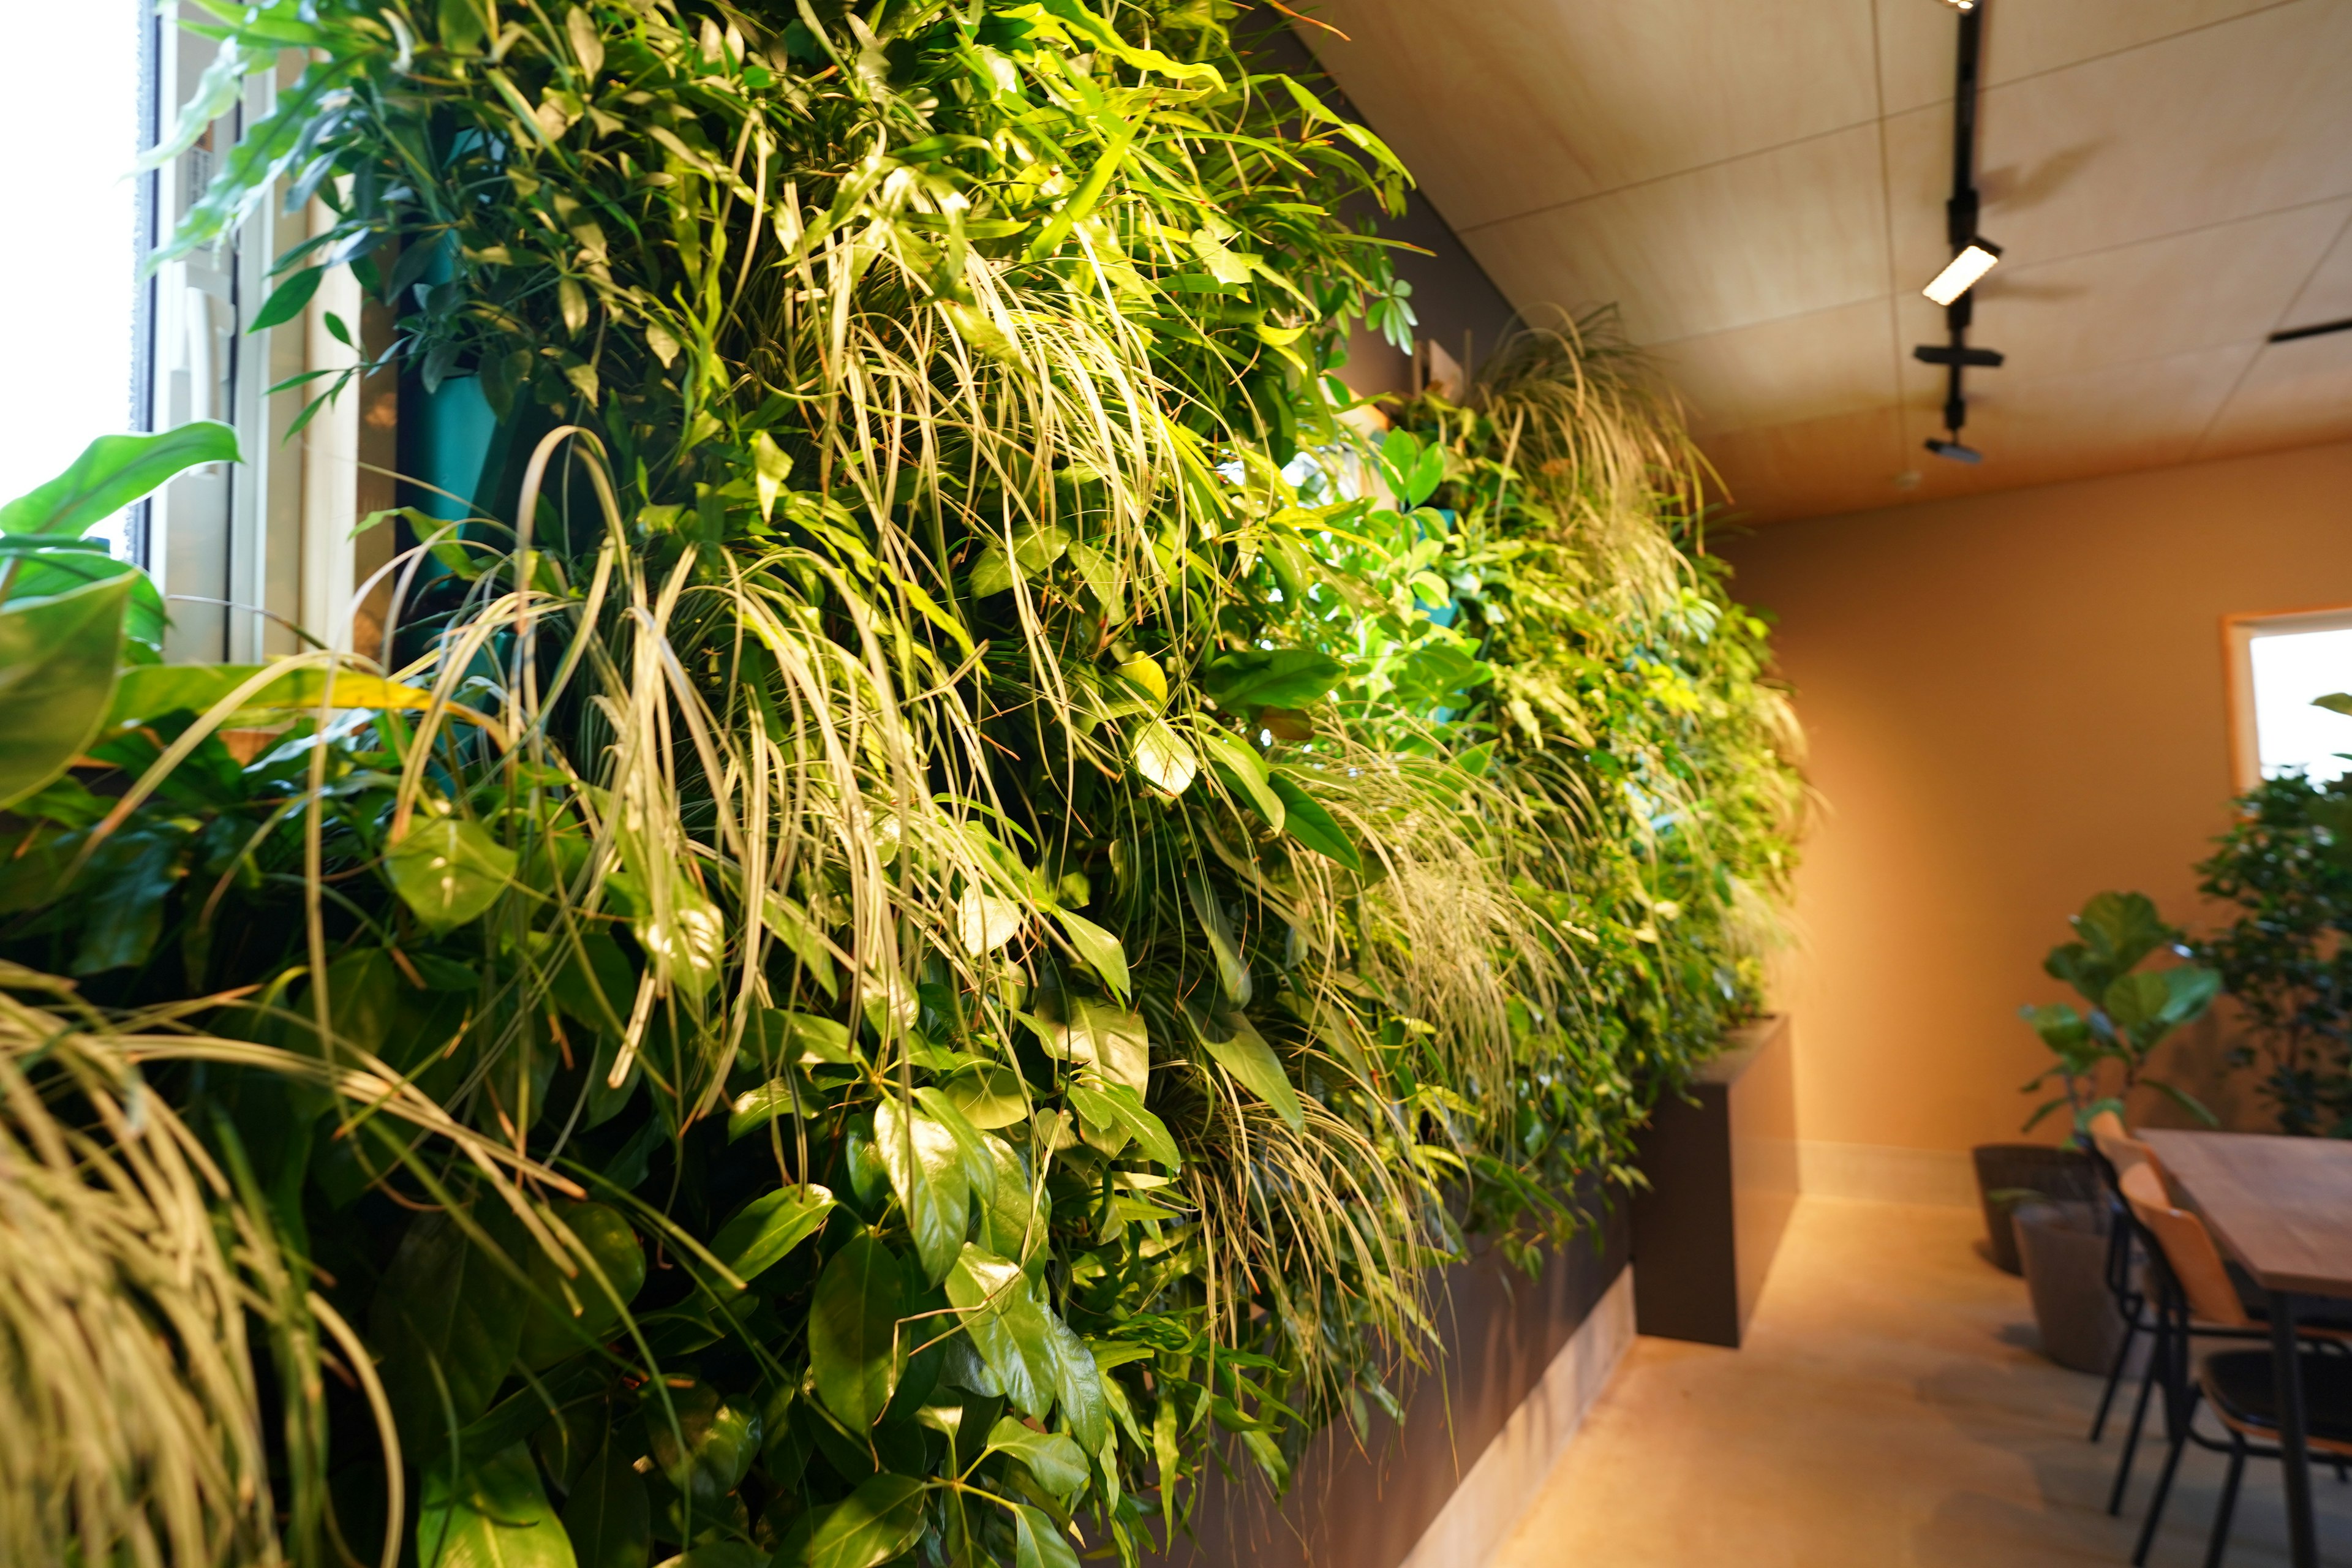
(1232, 971)
(1059, 1464)
(1243, 771)
(878, 1521)
(767, 1228)
(608, 1515)
(703, 1443)
(113, 472)
(1243, 1052)
(550, 1330)
(1007, 1327)
(989, 1097)
(1077, 1383)
(1252, 679)
(1101, 950)
(853, 1331)
(155, 690)
(447, 1321)
(58, 659)
(449, 870)
(1162, 758)
(1038, 1544)
(1114, 1043)
(491, 1515)
(1306, 819)
(1116, 1109)
(927, 1171)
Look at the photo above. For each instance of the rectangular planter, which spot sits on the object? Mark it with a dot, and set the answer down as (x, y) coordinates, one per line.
(1722, 1166)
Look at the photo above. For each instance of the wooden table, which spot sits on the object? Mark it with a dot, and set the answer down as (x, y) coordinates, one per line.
(2282, 1208)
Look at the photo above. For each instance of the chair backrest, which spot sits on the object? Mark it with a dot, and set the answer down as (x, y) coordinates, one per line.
(2188, 1247)
(2121, 1148)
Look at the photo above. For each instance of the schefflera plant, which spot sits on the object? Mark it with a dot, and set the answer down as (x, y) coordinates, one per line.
(817, 840)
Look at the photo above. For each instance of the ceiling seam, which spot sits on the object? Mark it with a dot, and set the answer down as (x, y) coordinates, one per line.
(1880, 120)
(2214, 419)
(1887, 211)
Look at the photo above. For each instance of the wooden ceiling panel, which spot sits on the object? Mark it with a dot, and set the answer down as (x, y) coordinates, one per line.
(2328, 296)
(1761, 189)
(1725, 246)
(2230, 284)
(1531, 102)
(1797, 368)
(2294, 393)
(1915, 41)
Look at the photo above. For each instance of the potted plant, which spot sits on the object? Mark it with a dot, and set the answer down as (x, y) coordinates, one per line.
(2058, 1227)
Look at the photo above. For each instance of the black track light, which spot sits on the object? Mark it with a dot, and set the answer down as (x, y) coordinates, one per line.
(1955, 451)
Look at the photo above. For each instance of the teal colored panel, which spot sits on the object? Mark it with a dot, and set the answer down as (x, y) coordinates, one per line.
(453, 433)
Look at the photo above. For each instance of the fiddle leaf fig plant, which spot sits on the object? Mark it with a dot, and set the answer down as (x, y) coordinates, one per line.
(2132, 1010)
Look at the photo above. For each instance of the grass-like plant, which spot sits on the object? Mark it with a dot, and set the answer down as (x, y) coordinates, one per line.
(907, 935)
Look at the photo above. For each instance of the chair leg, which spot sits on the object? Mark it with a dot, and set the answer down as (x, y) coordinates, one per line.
(2115, 1377)
(2219, 1542)
(2163, 1489)
(2131, 1437)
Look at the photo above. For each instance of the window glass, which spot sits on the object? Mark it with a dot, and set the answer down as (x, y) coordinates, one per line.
(2290, 669)
(69, 272)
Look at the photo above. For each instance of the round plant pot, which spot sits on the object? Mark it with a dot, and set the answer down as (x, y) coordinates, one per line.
(2010, 1174)
(2065, 1248)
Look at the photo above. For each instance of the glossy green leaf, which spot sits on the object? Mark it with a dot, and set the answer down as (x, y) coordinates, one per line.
(779, 1096)
(989, 1097)
(927, 1173)
(113, 472)
(878, 1521)
(1038, 1543)
(448, 870)
(1001, 1314)
(1077, 1383)
(490, 1515)
(1245, 772)
(1099, 947)
(550, 1329)
(447, 1321)
(1233, 970)
(1306, 820)
(1059, 1464)
(1115, 1109)
(1251, 679)
(58, 662)
(1163, 760)
(286, 302)
(1014, 1213)
(704, 1442)
(608, 1515)
(853, 1331)
(688, 941)
(1243, 1052)
(1111, 1041)
(594, 983)
(765, 1230)
(153, 690)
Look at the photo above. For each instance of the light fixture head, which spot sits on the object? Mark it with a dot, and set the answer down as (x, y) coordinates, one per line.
(1959, 275)
(1955, 452)
(1961, 4)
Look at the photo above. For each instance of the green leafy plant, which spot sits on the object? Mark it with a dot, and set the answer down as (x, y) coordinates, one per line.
(2132, 1010)
(2283, 959)
(915, 945)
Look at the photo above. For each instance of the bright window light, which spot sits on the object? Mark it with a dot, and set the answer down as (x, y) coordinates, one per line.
(2288, 662)
(1961, 274)
(69, 272)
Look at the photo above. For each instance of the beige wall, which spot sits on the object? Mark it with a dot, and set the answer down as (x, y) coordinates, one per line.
(2013, 701)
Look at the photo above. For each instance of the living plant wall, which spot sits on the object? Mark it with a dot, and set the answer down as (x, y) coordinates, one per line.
(935, 913)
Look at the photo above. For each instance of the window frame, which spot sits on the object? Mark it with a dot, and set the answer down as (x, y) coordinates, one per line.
(2239, 632)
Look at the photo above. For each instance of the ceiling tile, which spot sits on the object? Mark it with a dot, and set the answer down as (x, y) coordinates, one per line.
(1779, 234)
(1917, 41)
(2161, 296)
(1844, 463)
(2294, 393)
(2140, 416)
(1794, 369)
(2328, 297)
(1506, 106)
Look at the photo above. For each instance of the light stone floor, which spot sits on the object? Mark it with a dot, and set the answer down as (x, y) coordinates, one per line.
(1889, 1410)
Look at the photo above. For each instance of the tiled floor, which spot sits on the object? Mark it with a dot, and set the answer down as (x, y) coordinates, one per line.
(1888, 1410)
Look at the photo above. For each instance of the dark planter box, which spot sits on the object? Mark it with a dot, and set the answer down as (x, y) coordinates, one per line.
(1722, 1166)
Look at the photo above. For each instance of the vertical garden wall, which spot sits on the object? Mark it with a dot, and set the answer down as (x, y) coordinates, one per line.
(943, 900)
